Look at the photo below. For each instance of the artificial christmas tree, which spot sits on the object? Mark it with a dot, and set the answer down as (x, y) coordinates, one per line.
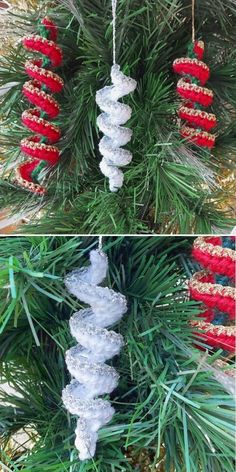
(171, 185)
(174, 409)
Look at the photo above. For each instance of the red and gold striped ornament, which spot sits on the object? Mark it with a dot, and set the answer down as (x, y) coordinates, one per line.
(215, 288)
(196, 124)
(40, 147)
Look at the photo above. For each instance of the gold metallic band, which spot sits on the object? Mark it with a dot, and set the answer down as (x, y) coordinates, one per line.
(202, 243)
(214, 329)
(210, 288)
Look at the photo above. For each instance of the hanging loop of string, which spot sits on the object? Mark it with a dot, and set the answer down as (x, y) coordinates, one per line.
(193, 21)
(100, 243)
(114, 5)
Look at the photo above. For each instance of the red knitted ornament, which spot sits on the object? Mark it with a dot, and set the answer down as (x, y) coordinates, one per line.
(40, 146)
(191, 88)
(214, 288)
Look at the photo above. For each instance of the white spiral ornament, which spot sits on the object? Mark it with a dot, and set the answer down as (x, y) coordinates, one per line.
(86, 360)
(115, 114)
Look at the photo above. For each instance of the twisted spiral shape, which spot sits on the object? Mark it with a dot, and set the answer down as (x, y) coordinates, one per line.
(86, 360)
(191, 88)
(214, 287)
(114, 114)
(40, 147)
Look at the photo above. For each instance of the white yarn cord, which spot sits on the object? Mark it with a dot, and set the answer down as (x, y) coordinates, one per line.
(114, 5)
(114, 114)
(100, 243)
(86, 360)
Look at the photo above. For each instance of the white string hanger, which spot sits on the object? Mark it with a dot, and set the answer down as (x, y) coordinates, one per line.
(100, 243)
(114, 7)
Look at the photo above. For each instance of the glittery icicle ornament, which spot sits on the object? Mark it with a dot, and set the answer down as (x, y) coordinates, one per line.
(115, 114)
(86, 360)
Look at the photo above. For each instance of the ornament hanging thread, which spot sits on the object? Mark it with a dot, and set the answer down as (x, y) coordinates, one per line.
(114, 115)
(214, 287)
(86, 361)
(40, 148)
